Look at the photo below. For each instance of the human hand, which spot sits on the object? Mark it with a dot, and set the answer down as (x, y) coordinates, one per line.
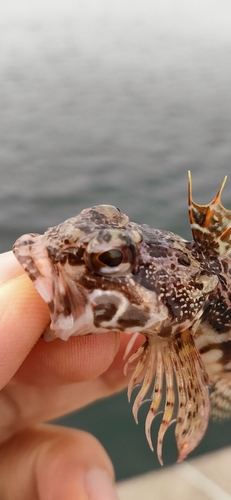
(41, 381)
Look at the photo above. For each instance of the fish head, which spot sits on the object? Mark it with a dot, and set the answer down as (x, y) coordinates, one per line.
(98, 271)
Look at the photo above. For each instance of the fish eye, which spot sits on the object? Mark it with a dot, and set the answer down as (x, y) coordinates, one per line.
(110, 254)
(110, 258)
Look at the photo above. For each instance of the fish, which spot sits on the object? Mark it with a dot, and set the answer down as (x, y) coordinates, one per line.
(98, 271)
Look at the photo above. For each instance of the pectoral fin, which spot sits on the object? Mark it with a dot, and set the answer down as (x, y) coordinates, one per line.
(160, 363)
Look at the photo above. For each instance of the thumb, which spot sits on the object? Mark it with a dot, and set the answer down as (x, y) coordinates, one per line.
(53, 463)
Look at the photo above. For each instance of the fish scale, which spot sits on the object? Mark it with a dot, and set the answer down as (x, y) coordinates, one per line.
(98, 271)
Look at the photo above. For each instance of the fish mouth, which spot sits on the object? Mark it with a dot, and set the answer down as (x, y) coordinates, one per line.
(72, 315)
(177, 362)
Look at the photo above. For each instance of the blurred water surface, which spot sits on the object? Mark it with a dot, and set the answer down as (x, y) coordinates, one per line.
(107, 102)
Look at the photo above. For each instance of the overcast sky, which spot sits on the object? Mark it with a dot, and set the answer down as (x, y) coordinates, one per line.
(199, 17)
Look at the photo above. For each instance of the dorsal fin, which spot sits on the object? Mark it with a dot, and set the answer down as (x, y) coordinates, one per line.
(211, 223)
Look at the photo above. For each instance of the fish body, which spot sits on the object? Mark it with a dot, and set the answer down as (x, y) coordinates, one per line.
(98, 272)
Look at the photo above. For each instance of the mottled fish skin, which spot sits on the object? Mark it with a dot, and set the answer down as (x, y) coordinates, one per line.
(98, 271)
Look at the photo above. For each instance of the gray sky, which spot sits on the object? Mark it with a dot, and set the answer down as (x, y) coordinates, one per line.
(198, 17)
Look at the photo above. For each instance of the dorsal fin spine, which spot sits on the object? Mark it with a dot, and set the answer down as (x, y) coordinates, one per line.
(211, 223)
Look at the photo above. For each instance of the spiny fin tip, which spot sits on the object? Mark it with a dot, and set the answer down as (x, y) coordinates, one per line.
(211, 223)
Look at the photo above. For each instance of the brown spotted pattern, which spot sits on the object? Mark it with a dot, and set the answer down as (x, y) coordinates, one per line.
(98, 271)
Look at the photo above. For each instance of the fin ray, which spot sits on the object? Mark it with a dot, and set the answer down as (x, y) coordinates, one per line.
(159, 364)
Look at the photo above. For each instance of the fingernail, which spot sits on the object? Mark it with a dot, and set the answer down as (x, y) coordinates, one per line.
(99, 485)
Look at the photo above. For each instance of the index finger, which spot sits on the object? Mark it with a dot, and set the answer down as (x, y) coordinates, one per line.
(23, 316)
